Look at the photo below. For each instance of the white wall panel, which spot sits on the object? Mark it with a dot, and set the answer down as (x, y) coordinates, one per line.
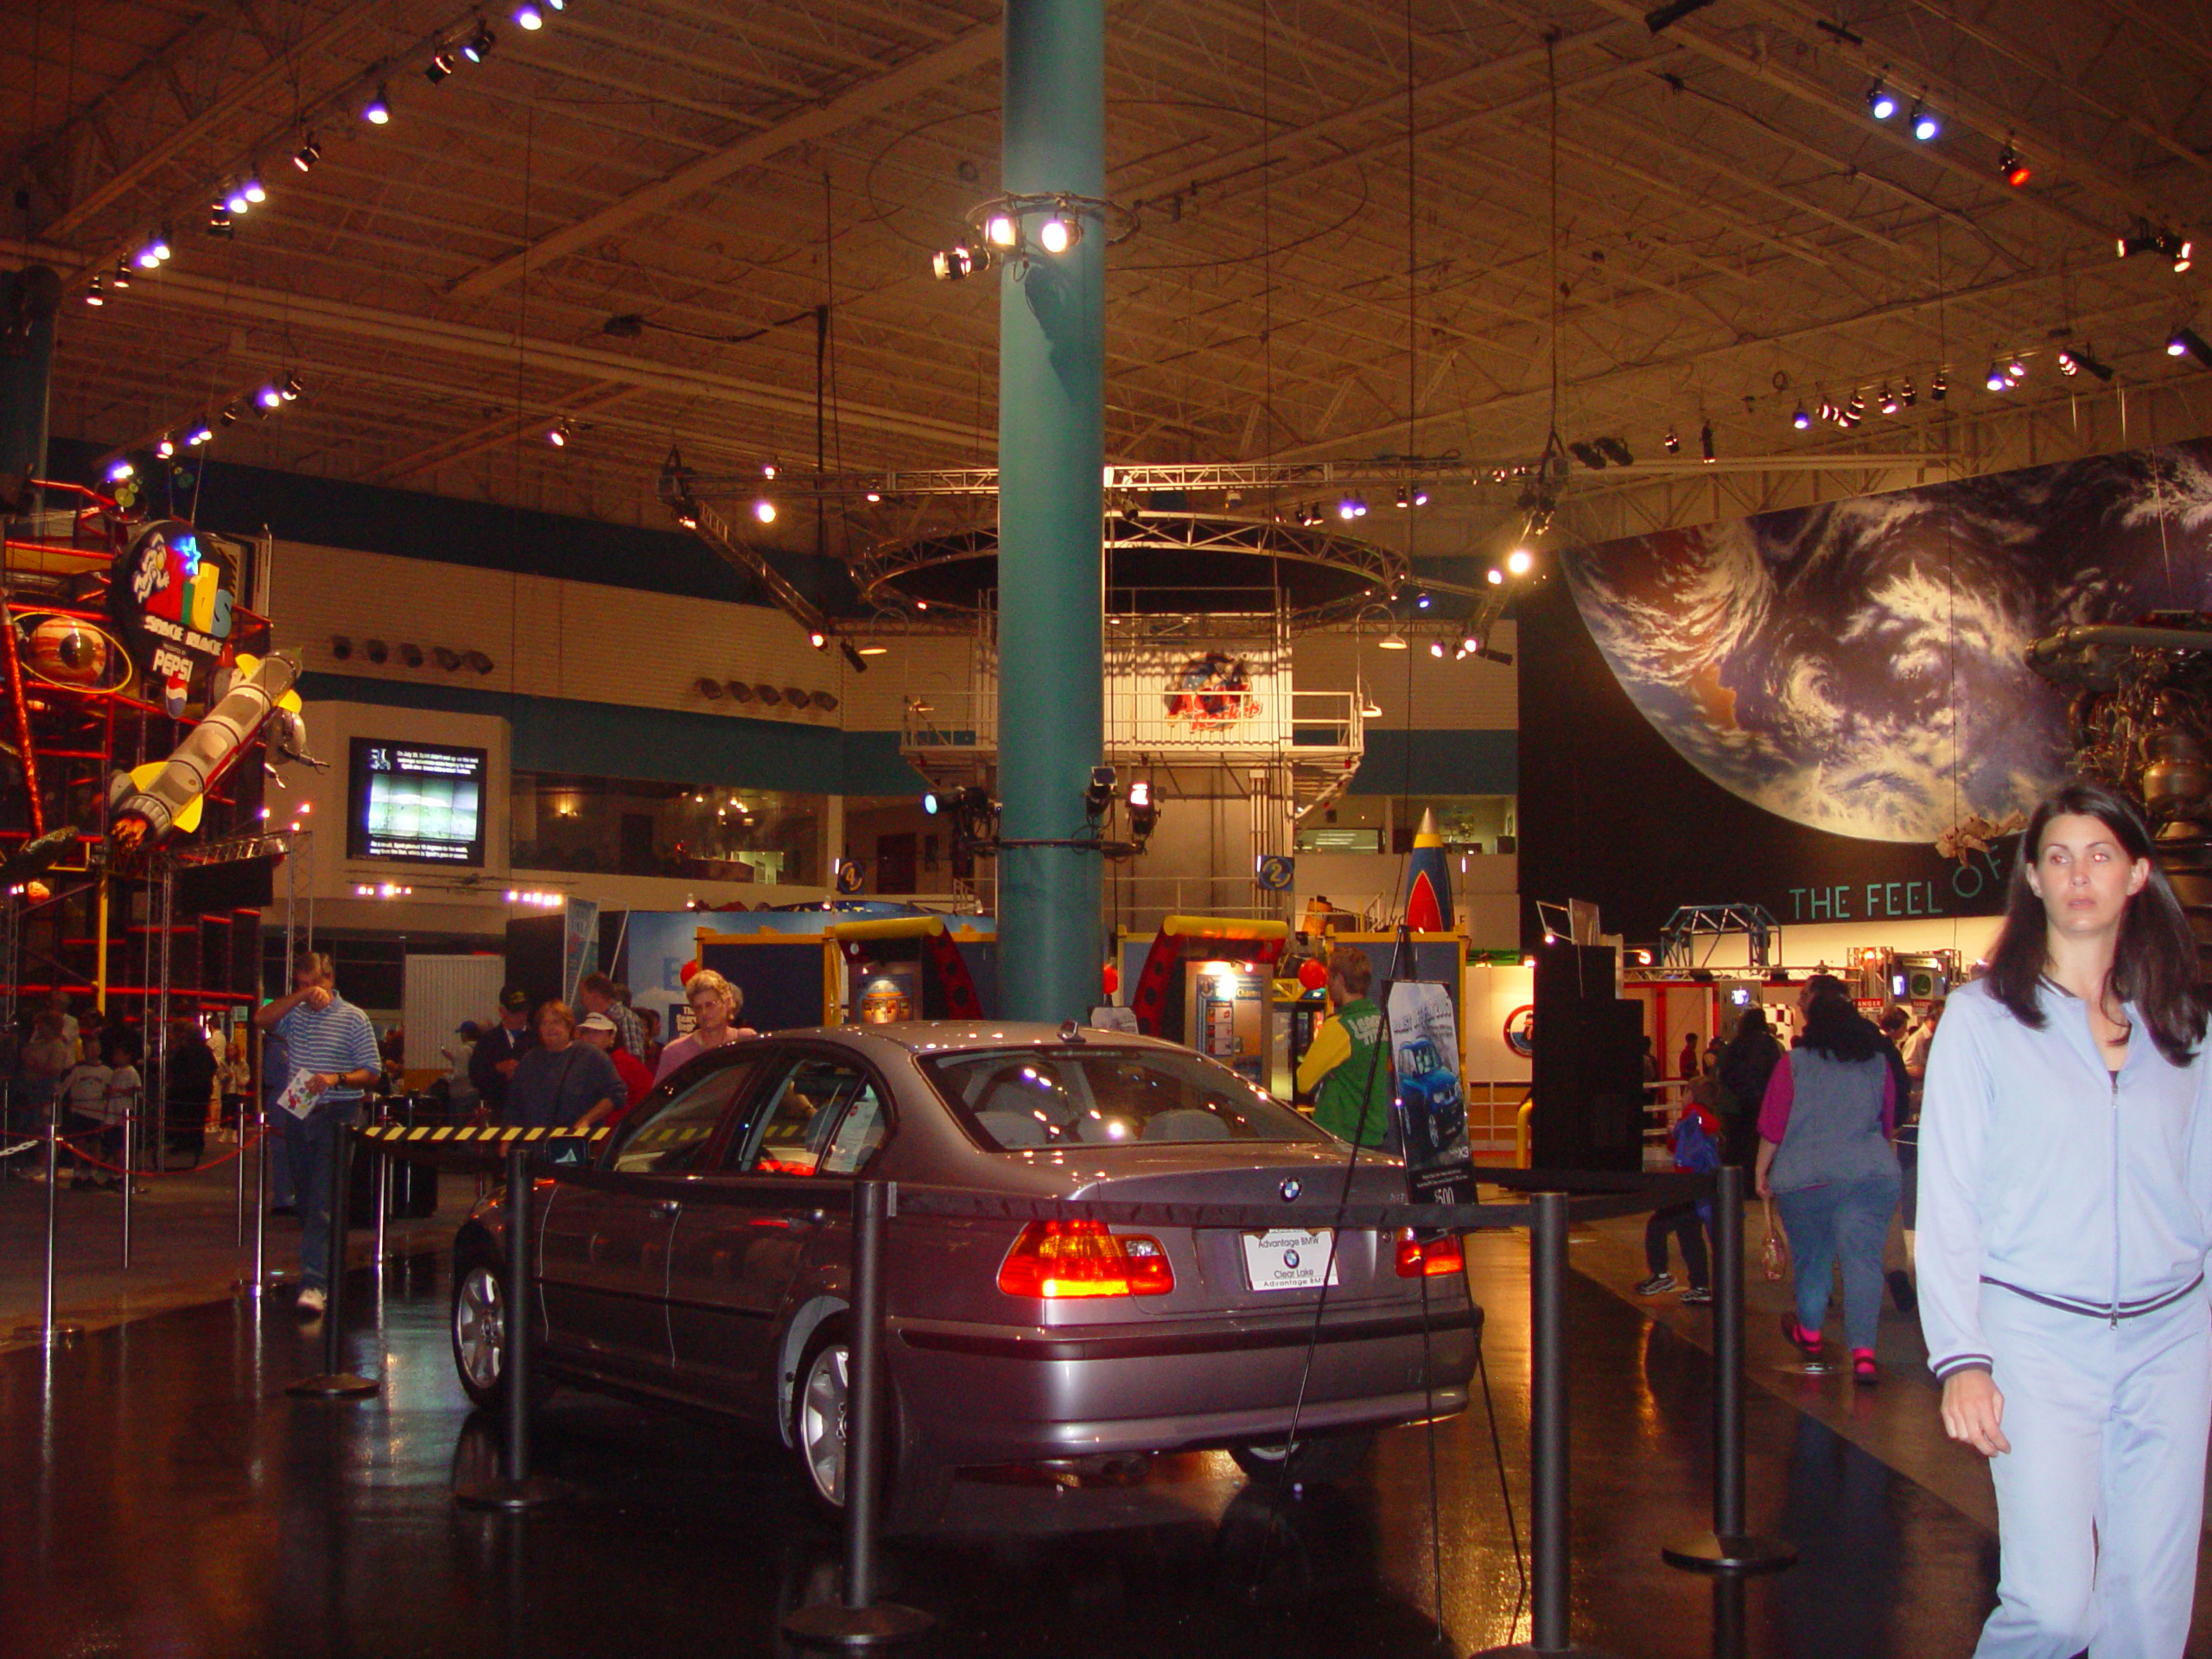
(1442, 695)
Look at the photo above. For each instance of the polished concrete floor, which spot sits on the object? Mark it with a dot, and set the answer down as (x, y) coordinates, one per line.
(164, 1497)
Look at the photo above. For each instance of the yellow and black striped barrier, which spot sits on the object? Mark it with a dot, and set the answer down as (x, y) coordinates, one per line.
(472, 1146)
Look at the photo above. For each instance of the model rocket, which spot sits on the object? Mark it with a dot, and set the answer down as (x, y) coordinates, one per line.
(1428, 882)
(146, 803)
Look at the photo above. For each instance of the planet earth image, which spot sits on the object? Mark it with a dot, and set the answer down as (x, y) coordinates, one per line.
(1860, 667)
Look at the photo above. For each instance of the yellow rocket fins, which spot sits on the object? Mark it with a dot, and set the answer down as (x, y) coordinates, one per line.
(142, 777)
(291, 700)
(189, 820)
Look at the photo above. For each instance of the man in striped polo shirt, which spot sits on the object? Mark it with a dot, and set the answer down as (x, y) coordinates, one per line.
(332, 1040)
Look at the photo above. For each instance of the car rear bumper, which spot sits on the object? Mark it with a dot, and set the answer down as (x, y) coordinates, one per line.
(996, 1394)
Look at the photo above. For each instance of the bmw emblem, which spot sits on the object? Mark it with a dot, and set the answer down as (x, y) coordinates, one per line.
(1290, 1258)
(1290, 1190)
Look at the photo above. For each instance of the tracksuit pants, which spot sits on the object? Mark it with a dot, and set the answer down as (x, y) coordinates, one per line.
(2101, 1499)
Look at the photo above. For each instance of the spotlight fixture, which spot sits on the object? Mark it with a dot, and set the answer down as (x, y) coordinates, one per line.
(1144, 810)
(1002, 231)
(1939, 388)
(307, 155)
(1351, 506)
(1666, 17)
(1617, 451)
(1881, 102)
(2074, 360)
(235, 199)
(1059, 232)
(120, 471)
(1404, 499)
(527, 16)
(121, 280)
(764, 510)
(1588, 453)
(1421, 496)
(2015, 371)
(1421, 602)
(228, 415)
(1520, 561)
(166, 448)
(1801, 420)
(1495, 576)
(562, 431)
(1925, 127)
(1910, 396)
(2176, 248)
(220, 222)
(446, 656)
(2010, 167)
(148, 260)
(1996, 381)
(1705, 441)
(439, 65)
(2187, 342)
(1099, 794)
(1856, 408)
(1436, 647)
(160, 249)
(478, 46)
(291, 385)
(1828, 411)
(94, 295)
(950, 264)
(269, 397)
(253, 189)
(1671, 443)
(377, 111)
(1391, 641)
(818, 639)
(201, 434)
(1889, 404)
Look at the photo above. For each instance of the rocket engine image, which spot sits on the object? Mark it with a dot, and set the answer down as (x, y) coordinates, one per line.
(147, 803)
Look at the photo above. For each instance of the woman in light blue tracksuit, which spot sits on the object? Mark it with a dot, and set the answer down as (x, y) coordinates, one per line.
(2062, 1238)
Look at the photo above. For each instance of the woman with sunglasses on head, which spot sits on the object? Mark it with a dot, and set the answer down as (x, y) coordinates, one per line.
(2062, 1236)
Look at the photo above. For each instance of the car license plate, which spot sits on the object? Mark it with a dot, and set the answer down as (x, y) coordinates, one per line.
(1289, 1258)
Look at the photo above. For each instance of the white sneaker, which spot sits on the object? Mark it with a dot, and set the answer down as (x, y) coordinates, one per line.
(312, 1301)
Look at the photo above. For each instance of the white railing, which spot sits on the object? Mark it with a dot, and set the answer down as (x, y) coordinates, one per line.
(1153, 722)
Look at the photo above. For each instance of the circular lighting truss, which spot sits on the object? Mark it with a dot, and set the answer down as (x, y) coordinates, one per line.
(1158, 565)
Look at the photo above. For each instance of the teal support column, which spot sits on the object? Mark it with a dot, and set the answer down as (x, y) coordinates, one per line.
(1052, 457)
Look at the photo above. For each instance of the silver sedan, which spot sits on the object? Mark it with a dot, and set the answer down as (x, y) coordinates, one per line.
(704, 1261)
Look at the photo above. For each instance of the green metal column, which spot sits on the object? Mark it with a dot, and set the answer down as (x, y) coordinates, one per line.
(1051, 456)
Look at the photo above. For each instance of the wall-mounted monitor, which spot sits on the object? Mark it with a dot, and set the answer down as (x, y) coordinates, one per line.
(415, 802)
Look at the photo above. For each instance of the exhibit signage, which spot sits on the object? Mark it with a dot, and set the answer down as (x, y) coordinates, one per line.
(172, 592)
(1431, 1100)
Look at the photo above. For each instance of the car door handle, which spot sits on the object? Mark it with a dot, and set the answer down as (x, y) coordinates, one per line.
(669, 1208)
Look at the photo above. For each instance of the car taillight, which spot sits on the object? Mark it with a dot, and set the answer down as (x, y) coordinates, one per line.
(1439, 1255)
(1084, 1258)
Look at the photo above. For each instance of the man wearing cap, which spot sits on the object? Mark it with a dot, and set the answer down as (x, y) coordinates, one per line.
(598, 995)
(597, 1030)
(500, 1050)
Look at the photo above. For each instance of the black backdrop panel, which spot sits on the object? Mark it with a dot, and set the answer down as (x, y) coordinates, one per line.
(1587, 1072)
(210, 889)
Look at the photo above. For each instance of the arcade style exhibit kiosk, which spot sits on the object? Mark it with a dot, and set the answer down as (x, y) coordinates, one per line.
(1206, 981)
(868, 972)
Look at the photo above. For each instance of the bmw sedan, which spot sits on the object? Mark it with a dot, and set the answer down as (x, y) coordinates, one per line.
(703, 1261)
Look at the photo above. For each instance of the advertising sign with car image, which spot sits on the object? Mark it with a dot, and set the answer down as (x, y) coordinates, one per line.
(1432, 1102)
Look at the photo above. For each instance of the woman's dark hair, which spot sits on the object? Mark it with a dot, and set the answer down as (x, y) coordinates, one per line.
(1834, 1027)
(1753, 1020)
(2154, 962)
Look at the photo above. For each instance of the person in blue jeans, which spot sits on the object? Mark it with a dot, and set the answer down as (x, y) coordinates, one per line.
(1826, 1160)
(332, 1040)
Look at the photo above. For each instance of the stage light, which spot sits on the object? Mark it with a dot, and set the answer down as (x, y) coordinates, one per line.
(1996, 381)
(291, 385)
(1391, 641)
(1801, 420)
(2187, 342)
(1002, 231)
(439, 65)
(253, 189)
(1059, 232)
(228, 415)
(876, 649)
(218, 221)
(1617, 451)
(1939, 388)
(1889, 404)
(1144, 810)
(478, 46)
(2073, 360)
(527, 17)
(560, 434)
(120, 471)
(307, 155)
(1421, 602)
(2015, 371)
(377, 111)
(1673, 12)
(199, 435)
(1421, 496)
(1704, 443)
(950, 264)
(1099, 794)
(1673, 444)
(818, 639)
(121, 279)
(1520, 561)
(235, 199)
(161, 248)
(1404, 499)
(166, 448)
(1925, 126)
(1495, 576)
(2014, 171)
(1588, 453)
(764, 510)
(94, 295)
(269, 397)
(1910, 395)
(148, 259)
(1436, 647)
(1881, 102)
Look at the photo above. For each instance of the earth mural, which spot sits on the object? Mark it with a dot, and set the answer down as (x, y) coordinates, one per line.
(1859, 668)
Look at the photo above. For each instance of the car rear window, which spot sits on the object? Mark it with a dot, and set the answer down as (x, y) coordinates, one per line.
(1013, 1099)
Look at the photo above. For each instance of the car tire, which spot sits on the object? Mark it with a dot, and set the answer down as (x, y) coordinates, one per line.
(914, 1488)
(478, 1326)
(1320, 1458)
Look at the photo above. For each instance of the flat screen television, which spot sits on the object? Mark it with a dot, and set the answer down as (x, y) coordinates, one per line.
(415, 802)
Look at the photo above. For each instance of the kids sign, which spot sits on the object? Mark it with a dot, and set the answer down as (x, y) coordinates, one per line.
(171, 595)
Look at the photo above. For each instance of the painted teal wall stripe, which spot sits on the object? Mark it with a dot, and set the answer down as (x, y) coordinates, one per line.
(1444, 763)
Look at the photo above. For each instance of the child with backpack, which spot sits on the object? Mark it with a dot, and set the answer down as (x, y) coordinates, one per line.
(1695, 1142)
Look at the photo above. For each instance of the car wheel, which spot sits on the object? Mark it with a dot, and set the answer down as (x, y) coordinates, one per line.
(1321, 1457)
(914, 1487)
(478, 1328)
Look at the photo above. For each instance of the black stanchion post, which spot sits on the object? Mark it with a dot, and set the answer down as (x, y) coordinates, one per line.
(862, 1621)
(1728, 1548)
(516, 1489)
(1551, 1571)
(336, 1382)
(47, 1331)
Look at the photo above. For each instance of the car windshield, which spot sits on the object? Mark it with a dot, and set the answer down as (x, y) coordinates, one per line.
(1017, 1098)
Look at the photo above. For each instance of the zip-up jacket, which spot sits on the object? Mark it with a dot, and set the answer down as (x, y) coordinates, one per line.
(2042, 1174)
